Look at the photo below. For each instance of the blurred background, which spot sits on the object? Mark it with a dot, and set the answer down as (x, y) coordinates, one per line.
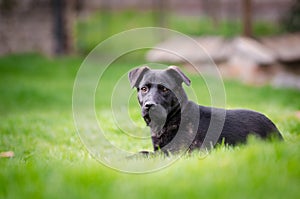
(256, 41)
(44, 42)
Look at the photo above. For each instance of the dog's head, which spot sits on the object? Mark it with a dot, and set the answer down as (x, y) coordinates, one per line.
(160, 92)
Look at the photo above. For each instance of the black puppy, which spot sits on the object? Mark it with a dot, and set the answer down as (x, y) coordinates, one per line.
(177, 123)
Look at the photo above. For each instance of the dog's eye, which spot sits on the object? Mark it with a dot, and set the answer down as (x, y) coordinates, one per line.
(164, 89)
(144, 89)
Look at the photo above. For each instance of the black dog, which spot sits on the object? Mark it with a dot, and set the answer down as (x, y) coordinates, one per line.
(177, 123)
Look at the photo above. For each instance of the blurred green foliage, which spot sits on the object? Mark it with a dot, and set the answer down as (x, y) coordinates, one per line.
(97, 27)
(291, 22)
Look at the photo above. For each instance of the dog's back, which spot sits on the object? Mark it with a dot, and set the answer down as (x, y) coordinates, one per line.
(238, 125)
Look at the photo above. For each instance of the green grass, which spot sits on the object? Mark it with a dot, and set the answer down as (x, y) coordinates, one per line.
(51, 162)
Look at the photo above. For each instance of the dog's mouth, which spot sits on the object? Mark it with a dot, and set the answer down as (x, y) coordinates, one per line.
(147, 119)
(156, 115)
(146, 116)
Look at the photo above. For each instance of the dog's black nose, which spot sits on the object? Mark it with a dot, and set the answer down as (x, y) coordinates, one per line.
(148, 105)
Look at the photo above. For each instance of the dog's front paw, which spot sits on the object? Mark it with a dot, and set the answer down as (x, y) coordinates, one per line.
(146, 153)
(141, 154)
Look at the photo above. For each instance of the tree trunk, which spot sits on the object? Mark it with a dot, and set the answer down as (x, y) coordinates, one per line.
(63, 12)
(247, 18)
(160, 12)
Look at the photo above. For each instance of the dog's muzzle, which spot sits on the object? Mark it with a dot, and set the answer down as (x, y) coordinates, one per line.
(154, 114)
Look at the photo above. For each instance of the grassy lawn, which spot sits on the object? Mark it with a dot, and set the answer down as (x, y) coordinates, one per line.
(36, 123)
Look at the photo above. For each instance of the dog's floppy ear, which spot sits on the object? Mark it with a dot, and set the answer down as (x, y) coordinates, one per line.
(179, 74)
(136, 75)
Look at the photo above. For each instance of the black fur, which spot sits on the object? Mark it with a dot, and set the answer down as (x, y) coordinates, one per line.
(168, 112)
